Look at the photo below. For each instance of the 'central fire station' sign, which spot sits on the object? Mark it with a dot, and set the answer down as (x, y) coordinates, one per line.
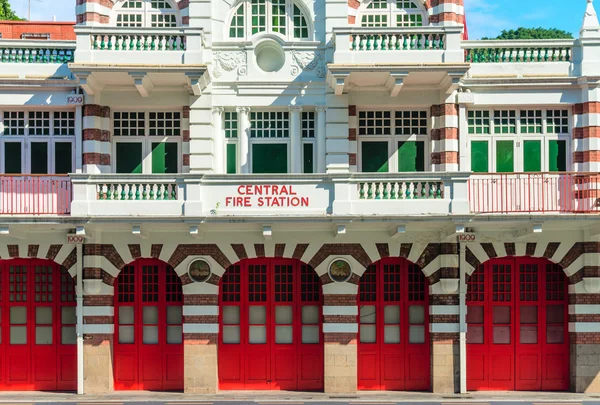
(267, 195)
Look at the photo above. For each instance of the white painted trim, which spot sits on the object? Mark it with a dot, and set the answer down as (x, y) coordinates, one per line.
(444, 328)
(444, 310)
(340, 310)
(340, 328)
(99, 329)
(201, 328)
(584, 327)
(200, 310)
(99, 311)
(584, 309)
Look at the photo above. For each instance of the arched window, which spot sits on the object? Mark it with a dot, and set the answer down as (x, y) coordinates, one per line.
(393, 13)
(281, 17)
(147, 13)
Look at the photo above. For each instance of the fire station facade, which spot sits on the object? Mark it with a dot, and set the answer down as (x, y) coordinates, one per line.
(331, 196)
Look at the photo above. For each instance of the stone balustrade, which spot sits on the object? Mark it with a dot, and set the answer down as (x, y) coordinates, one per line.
(45, 52)
(522, 51)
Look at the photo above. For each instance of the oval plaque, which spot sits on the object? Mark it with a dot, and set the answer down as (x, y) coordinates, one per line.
(340, 270)
(199, 271)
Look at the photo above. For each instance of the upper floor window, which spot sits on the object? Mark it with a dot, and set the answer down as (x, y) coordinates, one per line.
(393, 13)
(147, 13)
(282, 17)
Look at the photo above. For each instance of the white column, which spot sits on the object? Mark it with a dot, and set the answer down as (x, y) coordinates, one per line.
(462, 301)
(296, 138)
(244, 134)
(321, 138)
(78, 140)
(79, 315)
(218, 140)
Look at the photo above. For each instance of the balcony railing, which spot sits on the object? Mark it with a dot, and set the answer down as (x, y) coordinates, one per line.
(397, 44)
(158, 46)
(522, 51)
(535, 193)
(45, 52)
(35, 195)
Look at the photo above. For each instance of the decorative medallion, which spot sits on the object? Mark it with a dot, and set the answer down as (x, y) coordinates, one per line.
(340, 270)
(199, 271)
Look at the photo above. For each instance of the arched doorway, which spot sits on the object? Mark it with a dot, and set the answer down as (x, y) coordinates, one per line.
(38, 340)
(270, 318)
(393, 348)
(148, 347)
(517, 326)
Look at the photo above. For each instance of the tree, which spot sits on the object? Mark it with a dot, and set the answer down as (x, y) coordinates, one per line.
(534, 33)
(6, 12)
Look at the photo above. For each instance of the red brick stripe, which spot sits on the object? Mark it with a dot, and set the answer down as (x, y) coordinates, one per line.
(345, 300)
(440, 158)
(200, 299)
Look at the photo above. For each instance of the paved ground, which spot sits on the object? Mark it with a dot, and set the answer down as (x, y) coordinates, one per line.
(295, 398)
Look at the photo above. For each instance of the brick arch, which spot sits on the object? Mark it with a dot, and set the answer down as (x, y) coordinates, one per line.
(63, 255)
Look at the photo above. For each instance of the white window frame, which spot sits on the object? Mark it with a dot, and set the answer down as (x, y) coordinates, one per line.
(147, 12)
(257, 141)
(233, 141)
(519, 138)
(26, 140)
(289, 13)
(394, 138)
(146, 140)
(391, 11)
(312, 141)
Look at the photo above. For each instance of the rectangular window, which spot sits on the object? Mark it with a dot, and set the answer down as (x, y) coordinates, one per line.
(64, 123)
(231, 124)
(231, 158)
(374, 20)
(307, 157)
(269, 124)
(164, 157)
(39, 158)
(375, 157)
(505, 122)
(129, 157)
(411, 156)
(532, 156)
(505, 162)
(14, 123)
(479, 157)
(374, 123)
(129, 124)
(409, 20)
(12, 158)
(557, 156)
(63, 157)
(479, 122)
(557, 121)
(411, 123)
(308, 124)
(269, 158)
(259, 16)
(39, 123)
(164, 124)
(531, 121)
(278, 16)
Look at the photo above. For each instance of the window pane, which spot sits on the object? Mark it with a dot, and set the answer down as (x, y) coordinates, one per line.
(555, 314)
(532, 156)
(479, 157)
(310, 334)
(231, 334)
(308, 166)
(529, 314)
(310, 314)
(474, 314)
(257, 315)
(231, 315)
(43, 335)
(501, 315)
(474, 334)
(416, 334)
(528, 334)
(174, 315)
(283, 315)
(555, 334)
(68, 335)
(18, 315)
(557, 156)
(63, 157)
(18, 335)
(125, 315)
(231, 158)
(368, 314)
(43, 316)
(69, 315)
(129, 157)
(391, 314)
(269, 158)
(411, 156)
(505, 157)
(174, 335)
(150, 335)
(12, 158)
(416, 314)
(39, 158)
(126, 334)
(150, 315)
(392, 334)
(374, 157)
(284, 335)
(258, 334)
(502, 335)
(368, 333)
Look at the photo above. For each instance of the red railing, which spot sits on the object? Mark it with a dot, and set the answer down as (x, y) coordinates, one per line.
(534, 192)
(35, 195)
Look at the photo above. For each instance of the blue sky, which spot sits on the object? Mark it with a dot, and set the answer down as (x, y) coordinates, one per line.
(484, 17)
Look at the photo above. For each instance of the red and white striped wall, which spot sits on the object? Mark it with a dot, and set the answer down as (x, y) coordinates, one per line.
(445, 153)
(441, 12)
(96, 139)
(98, 12)
(586, 137)
(352, 139)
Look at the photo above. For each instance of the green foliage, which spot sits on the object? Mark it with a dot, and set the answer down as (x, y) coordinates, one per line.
(534, 33)
(6, 12)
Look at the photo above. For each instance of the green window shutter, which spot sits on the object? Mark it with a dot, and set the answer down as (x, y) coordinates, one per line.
(129, 157)
(308, 157)
(532, 156)
(164, 157)
(63, 157)
(231, 158)
(269, 158)
(479, 157)
(505, 159)
(39, 158)
(557, 156)
(411, 156)
(375, 157)
(12, 158)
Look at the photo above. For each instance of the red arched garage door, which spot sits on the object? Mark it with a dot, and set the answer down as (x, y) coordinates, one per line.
(148, 328)
(393, 348)
(517, 335)
(270, 334)
(38, 339)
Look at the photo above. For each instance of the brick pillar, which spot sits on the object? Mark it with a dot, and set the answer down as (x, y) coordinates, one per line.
(185, 146)
(586, 152)
(184, 9)
(93, 12)
(98, 329)
(200, 336)
(340, 331)
(447, 12)
(444, 156)
(96, 139)
(352, 140)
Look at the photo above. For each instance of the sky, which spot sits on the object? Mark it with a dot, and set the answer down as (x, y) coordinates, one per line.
(485, 18)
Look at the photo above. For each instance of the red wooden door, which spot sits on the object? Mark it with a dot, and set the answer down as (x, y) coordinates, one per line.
(270, 327)
(393, 349)
(38, 342)
(517, 337)
(148, 328)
